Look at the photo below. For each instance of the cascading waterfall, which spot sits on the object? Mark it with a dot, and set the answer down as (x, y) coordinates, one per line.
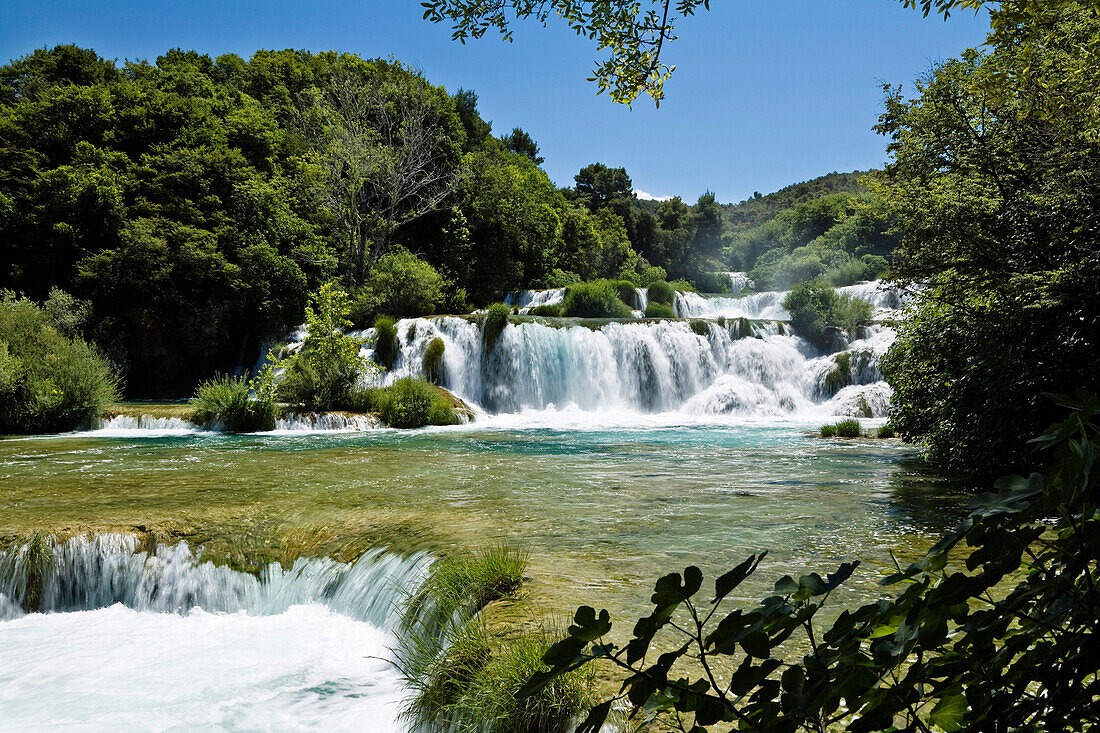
(734, 368)
(739, 281)
(767, 305)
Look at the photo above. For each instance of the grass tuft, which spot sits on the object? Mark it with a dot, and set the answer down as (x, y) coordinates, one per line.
(700, 327)
(386, 344)
(433, 359)
(849, 428)
(494, 323)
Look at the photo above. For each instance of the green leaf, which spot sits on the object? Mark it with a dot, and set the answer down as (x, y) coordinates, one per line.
(948, 712)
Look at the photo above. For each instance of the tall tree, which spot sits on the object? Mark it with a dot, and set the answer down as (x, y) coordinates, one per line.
(597, 185)
(389, 144)
(518, 141)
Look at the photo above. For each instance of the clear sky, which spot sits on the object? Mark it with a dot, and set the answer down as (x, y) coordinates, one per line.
(766, 92)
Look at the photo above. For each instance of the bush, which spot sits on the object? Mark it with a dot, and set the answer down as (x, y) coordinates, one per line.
(411, 403)
(433, 359)
(886, 431)
(814, 307)
(841, 374)
(599, 299)
(700, 327)
(327, 369)
(548, 311)
(659, 310)
(625, 290)
(558, 278)
(402, 284)
(844, 429)
(493, 324)
(661, 292)
(48, 381)
(386, 344)
(227, 403)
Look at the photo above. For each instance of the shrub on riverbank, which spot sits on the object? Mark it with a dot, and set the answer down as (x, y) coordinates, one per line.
(328, 368)
(402, 284)
(49, 382)
(599, 299)
(661, 292)
(815, 306)
(227, 403)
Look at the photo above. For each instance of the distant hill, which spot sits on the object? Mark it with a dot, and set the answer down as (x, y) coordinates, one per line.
(754, 211)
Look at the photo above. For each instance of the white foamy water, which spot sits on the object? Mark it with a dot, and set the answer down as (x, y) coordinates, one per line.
(767, 305)
(739, 281)
(322, 422)
(122, 426)
(305, 669)
(128, 640)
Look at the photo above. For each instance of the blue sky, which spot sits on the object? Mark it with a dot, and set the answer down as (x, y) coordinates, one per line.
(766, 92)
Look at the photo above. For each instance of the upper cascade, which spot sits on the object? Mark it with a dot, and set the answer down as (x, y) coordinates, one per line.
(736, 368)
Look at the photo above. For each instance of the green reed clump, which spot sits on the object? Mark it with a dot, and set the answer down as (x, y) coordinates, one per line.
(462, 677)
(659, 310)
(228, 403)
(597, 299)
(465, 583)
(37, 563)
(433, 359)
(386, 344)
(700, 327)
(886, 431)
(849, 428)
(494, 323)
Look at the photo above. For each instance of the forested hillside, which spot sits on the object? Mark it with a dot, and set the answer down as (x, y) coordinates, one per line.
(191, 205)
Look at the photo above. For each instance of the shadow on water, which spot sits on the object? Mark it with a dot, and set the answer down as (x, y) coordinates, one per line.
(932, 500)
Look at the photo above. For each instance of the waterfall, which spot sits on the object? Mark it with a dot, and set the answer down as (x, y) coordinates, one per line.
(736, 368)
(157, 638)
(525, 300)
(739, 281)
(308, 422)
(84, 573)
(122, 425)
(767, 305)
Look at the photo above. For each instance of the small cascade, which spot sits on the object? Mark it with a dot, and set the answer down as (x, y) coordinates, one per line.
(126, 425)
(85, 573)
(767, 305)
(739, 281)
(309, 422)
(526, 300)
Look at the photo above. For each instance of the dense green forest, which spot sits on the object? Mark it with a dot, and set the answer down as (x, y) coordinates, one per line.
(194, 203)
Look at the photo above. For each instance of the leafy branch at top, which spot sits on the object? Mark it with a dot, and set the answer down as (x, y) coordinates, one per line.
(633, 32)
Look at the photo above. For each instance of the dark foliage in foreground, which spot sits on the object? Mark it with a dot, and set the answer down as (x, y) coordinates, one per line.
(995, 629)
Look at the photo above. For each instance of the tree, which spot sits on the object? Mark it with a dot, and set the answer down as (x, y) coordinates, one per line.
(478, 131)
(389, 144)
(597, 185)
(999, 235)
(520, 142)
